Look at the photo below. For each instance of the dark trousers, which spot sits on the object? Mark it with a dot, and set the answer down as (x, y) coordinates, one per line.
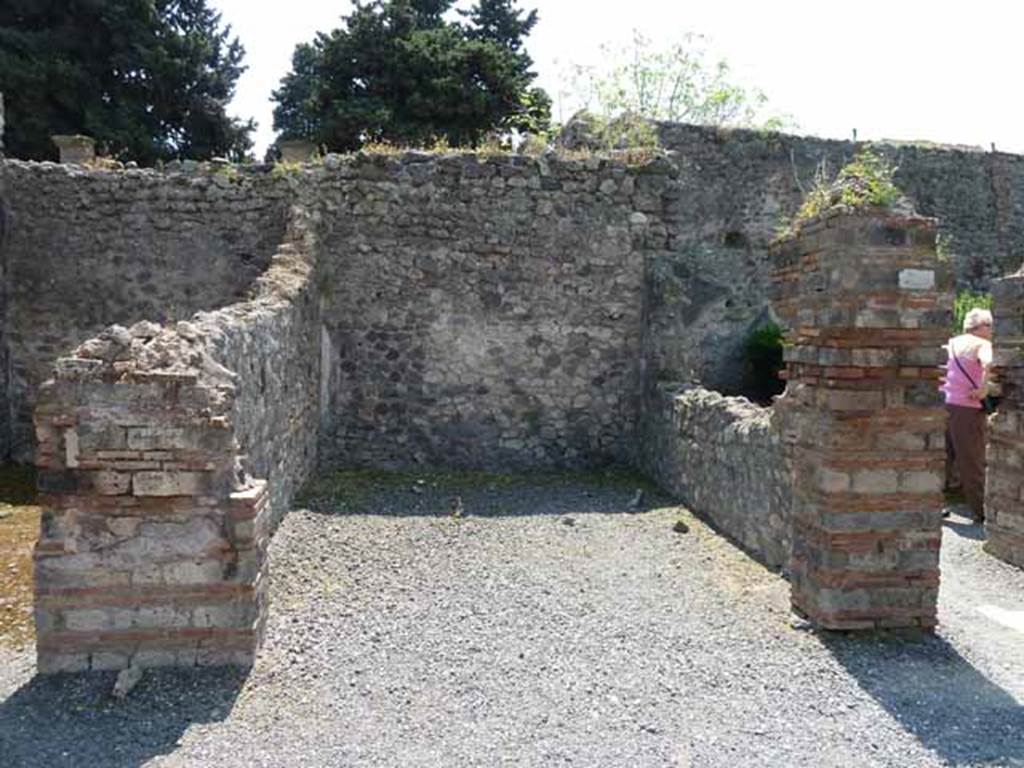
(966, 434)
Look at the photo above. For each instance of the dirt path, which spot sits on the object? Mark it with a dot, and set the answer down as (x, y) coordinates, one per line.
(19, 529)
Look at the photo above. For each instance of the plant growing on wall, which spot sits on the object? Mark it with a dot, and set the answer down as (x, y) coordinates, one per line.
(148, 79)
(865, 181)
(405, 72)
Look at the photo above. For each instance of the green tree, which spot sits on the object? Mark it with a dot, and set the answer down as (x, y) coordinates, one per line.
(411, 72)
(677, 83)
(148, 79)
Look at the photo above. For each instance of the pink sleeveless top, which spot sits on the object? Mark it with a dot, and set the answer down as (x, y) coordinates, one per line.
(958, 387)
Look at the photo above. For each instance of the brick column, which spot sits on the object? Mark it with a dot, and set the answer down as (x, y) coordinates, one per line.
(1004, 485)
(153, 543)
(867, 306)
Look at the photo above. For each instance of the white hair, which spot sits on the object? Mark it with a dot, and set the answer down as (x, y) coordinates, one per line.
(976, 318)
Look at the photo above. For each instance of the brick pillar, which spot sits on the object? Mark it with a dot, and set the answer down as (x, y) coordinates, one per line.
(1004, 485)
(867, 306)
(153, 543)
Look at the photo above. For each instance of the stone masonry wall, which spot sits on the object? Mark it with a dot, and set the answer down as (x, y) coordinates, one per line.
(723, 457)
(482, 311)
(708, 286)
(273, 345)
(1004, 481)
(87, 247)
(5, 393)
(498, 247)
(154, 532)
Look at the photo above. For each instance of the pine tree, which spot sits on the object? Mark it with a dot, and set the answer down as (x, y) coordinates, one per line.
(148, 79)
(402, 71)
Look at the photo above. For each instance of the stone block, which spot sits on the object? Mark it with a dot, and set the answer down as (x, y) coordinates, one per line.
(76, 149)
(106, 661)
(169, 483)
(159, 438)
(111, 483)
(87, 620)
(875, 481)
(52, 662)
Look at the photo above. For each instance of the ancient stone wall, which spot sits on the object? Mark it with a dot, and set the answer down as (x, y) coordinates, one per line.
(154, 530)
(272, 344)
(1004, 481)
(6, 402)
(708, 287)
(481, 311)
(723, 458)
(476, 311)
(511, 290)
(85, 248)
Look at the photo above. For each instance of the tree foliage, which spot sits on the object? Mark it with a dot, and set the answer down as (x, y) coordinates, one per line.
(677, 83)
(411, 72)
(148, 79)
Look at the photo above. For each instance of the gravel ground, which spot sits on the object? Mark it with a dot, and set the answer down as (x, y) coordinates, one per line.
(546, 626)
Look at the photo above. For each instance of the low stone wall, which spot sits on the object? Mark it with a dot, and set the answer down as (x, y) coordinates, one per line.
(722, 456)
(154, 534)
(273, 345)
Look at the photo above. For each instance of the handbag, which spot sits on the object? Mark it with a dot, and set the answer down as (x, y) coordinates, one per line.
(989, 403)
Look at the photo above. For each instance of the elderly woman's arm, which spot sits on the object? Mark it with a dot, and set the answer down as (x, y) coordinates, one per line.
(985, 358)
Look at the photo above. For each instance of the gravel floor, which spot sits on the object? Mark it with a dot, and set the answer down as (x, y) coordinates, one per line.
(547, 626)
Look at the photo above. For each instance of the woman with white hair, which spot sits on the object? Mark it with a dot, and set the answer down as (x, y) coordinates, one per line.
(965, 386)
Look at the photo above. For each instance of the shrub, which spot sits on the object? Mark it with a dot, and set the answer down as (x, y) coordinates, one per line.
(762, 363)
(866, 181)
(966, 301)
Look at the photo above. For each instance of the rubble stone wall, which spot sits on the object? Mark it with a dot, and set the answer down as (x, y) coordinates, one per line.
(272, 344)
(154, 530)
(1004, 481)
(87, 247)
(723, 458)
(708, 286)
(482, 311)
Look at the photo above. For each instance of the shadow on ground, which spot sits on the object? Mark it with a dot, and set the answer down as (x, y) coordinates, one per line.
(428, 493)
(966, 530)
(72, 720)
(938, 696)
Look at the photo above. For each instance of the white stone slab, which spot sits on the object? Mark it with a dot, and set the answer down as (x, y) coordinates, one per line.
(917, 279)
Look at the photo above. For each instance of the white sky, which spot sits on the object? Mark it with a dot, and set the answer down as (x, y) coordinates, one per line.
(902, 69)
